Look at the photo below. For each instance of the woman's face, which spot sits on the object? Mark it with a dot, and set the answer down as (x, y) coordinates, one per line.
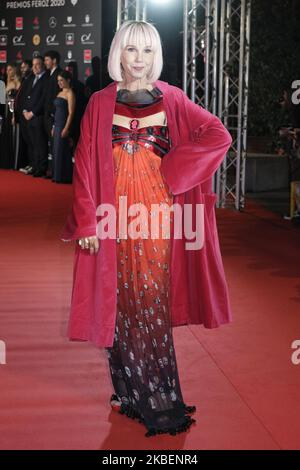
(10, 71)
(137, 61)
(62, 82)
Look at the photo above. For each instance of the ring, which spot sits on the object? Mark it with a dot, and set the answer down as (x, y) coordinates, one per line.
(84, 243)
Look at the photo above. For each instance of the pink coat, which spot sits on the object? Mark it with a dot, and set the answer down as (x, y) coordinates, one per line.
(198, 291)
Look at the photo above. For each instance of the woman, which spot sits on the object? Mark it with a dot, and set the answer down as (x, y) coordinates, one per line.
(143, 141)
(13, 83)
(64, 113)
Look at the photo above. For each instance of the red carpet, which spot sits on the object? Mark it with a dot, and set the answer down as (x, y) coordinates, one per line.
(55, 393)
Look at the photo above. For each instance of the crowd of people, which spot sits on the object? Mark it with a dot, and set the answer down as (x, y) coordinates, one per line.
(41, 106)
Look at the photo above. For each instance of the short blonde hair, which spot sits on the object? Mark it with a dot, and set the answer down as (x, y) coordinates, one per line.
(131, 32)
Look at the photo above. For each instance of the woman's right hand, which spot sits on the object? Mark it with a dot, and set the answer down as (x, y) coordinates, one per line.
(89, 243)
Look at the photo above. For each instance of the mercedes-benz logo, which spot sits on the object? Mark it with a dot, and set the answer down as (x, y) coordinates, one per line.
(52, 22)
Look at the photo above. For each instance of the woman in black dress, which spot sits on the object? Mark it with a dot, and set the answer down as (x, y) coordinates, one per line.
(7, 137)
(64, 113)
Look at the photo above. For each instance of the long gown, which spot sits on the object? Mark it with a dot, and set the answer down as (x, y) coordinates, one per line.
(62, 155)
(142, 360)
(7, 137)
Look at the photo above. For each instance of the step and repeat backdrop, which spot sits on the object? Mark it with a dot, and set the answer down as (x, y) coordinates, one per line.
(31, 27)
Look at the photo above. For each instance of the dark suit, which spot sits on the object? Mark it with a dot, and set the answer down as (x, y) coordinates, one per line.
(34, 102)
(51, 92)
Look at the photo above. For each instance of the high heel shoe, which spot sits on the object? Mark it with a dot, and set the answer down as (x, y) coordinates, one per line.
(128, 410)
(115, 402)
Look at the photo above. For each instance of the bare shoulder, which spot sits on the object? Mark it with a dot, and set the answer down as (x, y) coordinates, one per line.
(70, 94)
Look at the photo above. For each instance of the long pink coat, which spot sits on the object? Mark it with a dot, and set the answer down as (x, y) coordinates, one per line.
(198, 290)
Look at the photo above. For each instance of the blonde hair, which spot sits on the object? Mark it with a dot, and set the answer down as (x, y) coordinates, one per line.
(131, 32)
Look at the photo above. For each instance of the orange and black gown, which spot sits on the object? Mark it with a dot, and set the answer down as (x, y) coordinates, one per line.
(142, 360)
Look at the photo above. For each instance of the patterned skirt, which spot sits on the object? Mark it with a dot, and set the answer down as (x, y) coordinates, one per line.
(142, 360)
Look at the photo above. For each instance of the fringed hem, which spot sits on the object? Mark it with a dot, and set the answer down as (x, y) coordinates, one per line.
(132, 413)
(188, 421)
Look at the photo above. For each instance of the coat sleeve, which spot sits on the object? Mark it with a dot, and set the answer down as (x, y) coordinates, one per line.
(38, 108)
(81, 222)
(201, 150)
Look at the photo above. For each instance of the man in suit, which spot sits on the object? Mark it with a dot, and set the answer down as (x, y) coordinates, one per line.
(33, 113)
(51, 60)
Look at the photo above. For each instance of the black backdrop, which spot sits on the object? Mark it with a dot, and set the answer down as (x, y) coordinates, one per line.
(72, 27)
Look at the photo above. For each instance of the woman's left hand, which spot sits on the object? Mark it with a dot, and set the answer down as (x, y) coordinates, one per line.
(64, 133)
